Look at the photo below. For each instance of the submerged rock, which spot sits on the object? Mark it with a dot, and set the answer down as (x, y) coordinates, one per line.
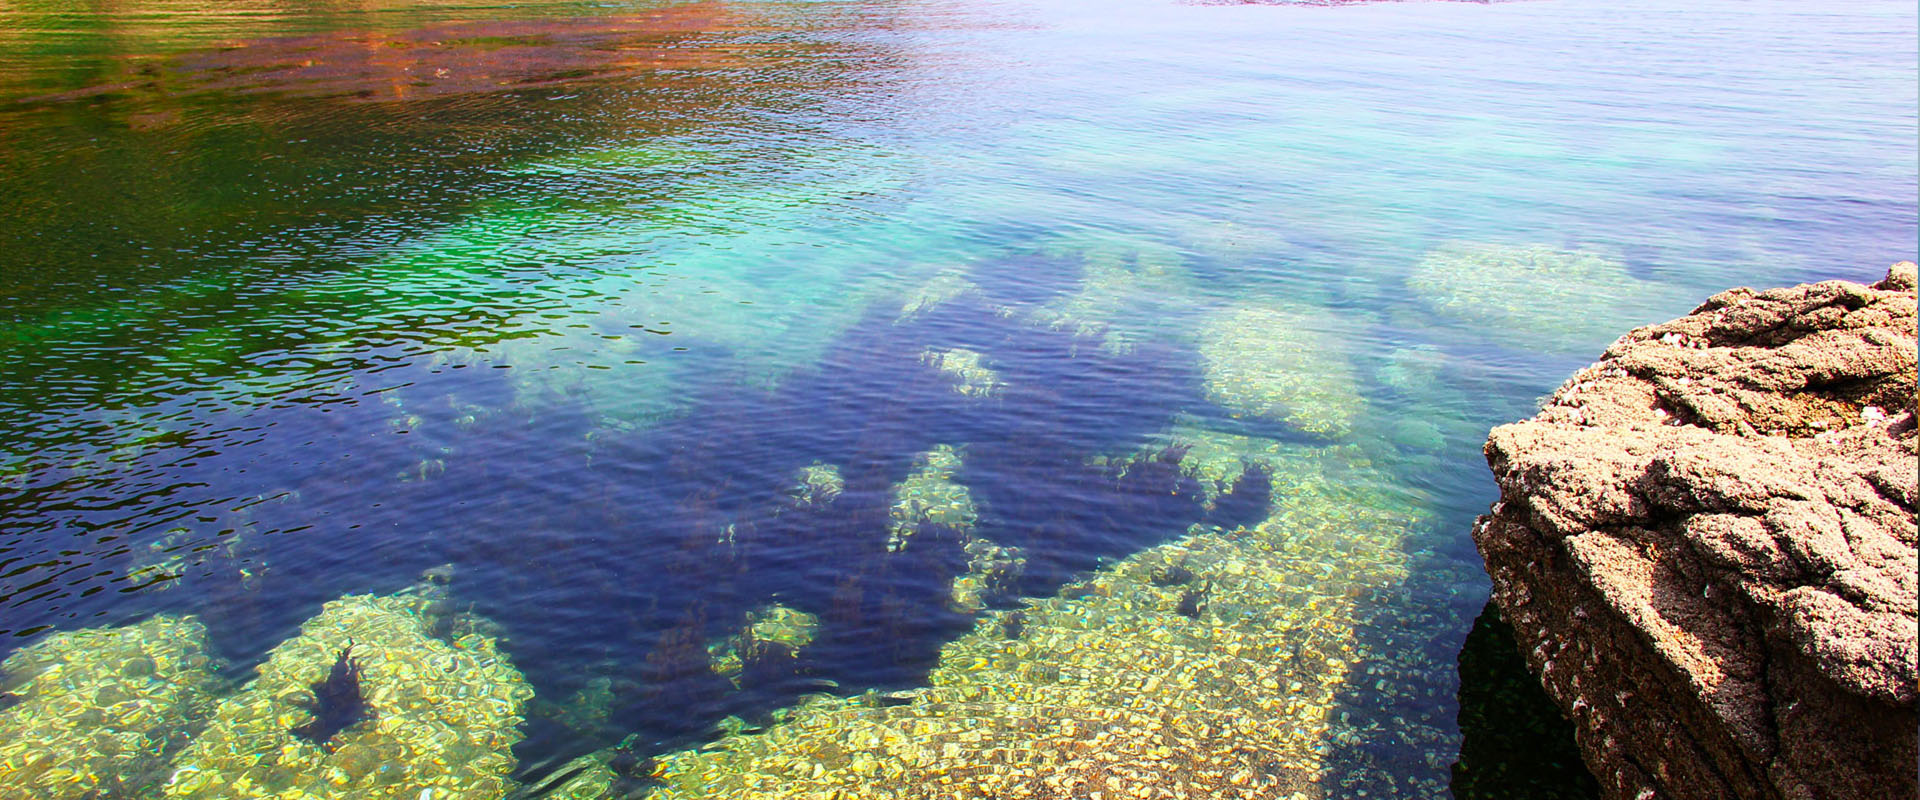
(1218, 461)
(98, 712)
(1706, 544)
(992, 576)
(1128, 285)
(1281, 363)
(585, 712)
(224, 547)
(445, 715)
(816, 485)
(967, 369)
(1412, 369)
(930, 496)
(945, 286)
(1112, 692)
(772, 633)
(1554, 298)
(615, 773)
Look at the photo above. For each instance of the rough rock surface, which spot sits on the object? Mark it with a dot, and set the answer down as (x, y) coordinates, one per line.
(1706, 545)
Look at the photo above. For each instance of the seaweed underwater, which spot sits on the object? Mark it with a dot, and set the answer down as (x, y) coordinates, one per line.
(338, 703)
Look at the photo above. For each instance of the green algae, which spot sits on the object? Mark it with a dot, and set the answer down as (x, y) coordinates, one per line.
(586, 711)
(444, 715)
(1282, 363)
(101, 711)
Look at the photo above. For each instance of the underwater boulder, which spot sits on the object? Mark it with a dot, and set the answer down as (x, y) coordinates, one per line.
(992, 576)
(224, 548)
(944, 286)
(1417, 435)
(1557, 299)
(1412, 370)
(967, 369)
(930, 496)
(1216, 460)
(816, 485)
(1127, 284)
(772, 633)
(1283, 363)
(585, 778)
(440, 717)
(587, 711)
(98, 712)
(1230, 681)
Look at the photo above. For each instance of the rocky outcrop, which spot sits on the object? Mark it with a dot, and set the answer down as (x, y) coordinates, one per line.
(1705, 543)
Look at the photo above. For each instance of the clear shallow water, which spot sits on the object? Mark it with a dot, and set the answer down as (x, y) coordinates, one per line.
(298, 303)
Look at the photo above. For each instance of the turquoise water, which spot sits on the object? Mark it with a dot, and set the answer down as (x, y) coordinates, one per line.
(300, 301)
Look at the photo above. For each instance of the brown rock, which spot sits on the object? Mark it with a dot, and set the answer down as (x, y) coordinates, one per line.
(1705, 543)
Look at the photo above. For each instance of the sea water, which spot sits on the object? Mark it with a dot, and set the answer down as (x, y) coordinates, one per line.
(782, 398)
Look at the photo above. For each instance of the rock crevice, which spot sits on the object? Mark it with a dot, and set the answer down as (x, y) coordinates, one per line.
(1706, 545)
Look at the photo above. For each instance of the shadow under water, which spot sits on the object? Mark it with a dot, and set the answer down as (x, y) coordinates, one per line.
(1514, 743)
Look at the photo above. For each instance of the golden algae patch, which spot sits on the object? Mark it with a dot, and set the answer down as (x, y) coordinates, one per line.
(444, 715)
(930, 496)
(98, 712)
(1204, 668)
(1283, 363)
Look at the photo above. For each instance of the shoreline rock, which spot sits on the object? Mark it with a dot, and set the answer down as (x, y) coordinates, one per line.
(1705, 543)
